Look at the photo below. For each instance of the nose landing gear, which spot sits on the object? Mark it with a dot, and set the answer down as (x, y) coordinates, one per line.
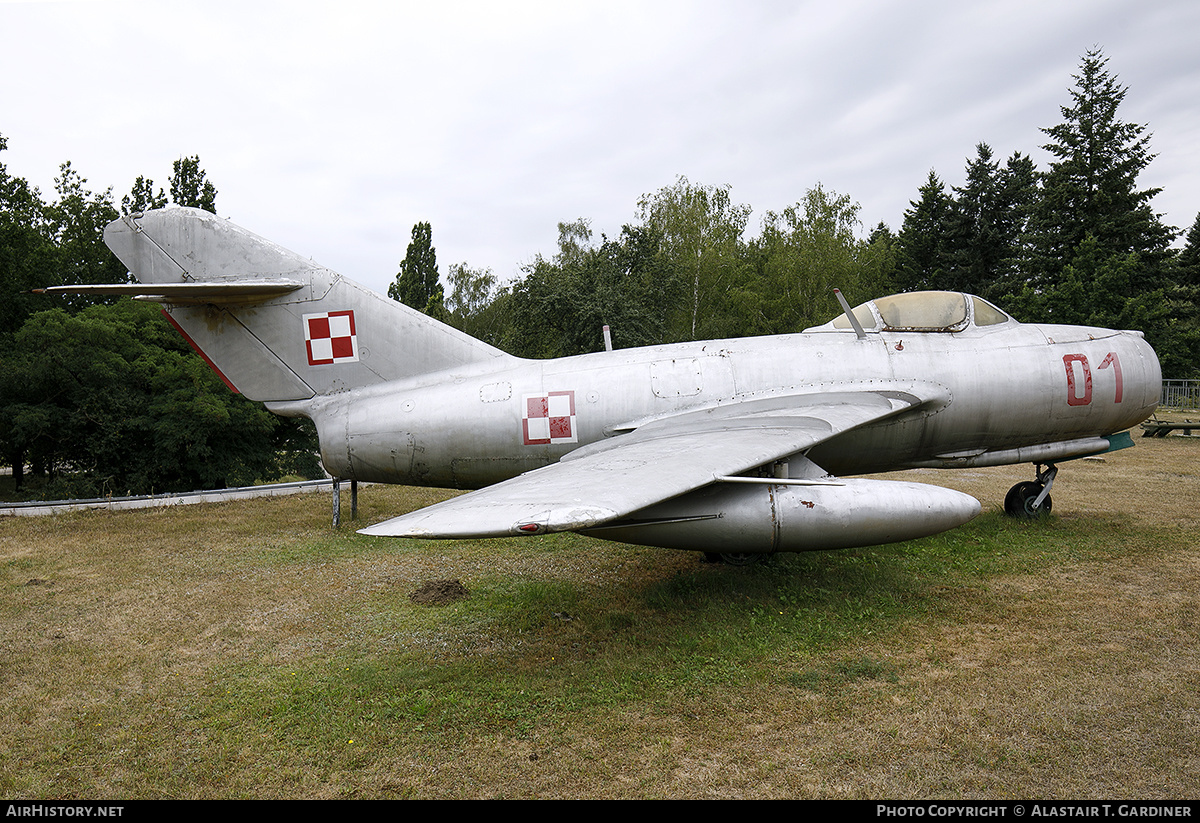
(1031, 499)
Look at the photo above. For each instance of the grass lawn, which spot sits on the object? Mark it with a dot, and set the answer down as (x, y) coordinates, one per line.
(248, 650)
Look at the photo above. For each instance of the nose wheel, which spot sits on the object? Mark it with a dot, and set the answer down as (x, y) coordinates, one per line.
(1031, 498)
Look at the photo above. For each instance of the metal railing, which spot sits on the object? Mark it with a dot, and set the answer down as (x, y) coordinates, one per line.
(1180, 394)
(40, 507)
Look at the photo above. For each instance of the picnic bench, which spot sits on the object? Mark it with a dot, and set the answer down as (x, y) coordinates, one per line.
(1161, 428)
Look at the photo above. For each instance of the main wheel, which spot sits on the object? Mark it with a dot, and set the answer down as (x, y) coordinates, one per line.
(1019, 501)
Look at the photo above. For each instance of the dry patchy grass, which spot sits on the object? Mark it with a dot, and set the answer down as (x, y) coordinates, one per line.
(247, 650)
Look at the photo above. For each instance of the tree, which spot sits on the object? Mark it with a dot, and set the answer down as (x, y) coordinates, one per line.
(700, 229)
(75, 223)
(1097, 253)
(1187, 264)
(879, 257)
(470, 305)
(986, 223)
(560, 307)
(808, 250)
(112, 400)
(1091, 187)
(189, 186)
(28, 257)
(143, 197)
(1019, 195)
(1177, 340)
(574, 239)
(417, 283)
(109, 398)
(922, 256)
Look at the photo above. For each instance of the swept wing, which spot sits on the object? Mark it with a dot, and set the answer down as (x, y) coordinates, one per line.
(657, 461)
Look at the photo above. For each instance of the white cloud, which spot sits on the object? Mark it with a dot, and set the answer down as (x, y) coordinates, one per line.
(333, 127)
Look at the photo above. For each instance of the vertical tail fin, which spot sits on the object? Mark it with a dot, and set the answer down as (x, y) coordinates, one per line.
(275, 325)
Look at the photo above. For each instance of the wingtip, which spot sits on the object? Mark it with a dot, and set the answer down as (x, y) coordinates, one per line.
(388, 529)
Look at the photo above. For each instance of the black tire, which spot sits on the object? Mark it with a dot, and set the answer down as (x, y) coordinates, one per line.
(741, 559)
(1019, 501)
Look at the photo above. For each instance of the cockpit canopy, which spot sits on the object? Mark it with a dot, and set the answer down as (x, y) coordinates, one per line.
(921, 311)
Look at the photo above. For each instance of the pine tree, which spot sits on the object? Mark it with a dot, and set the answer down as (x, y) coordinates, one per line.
(921, 251)
(1187, 264)
(976, 239)
(1091, 187)
(986, 222)
(1179, 347)
(1099, 255)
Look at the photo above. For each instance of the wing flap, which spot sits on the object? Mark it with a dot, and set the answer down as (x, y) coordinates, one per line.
(656, 462)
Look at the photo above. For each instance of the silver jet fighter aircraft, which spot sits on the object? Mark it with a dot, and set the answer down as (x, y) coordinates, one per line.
(736, 448)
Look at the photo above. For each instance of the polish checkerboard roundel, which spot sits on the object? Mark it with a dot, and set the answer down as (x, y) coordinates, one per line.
(549, 419)
(330, 337)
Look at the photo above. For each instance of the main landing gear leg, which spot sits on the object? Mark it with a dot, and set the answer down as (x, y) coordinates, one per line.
(1032, 498)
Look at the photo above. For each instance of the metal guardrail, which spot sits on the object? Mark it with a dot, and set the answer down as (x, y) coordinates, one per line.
(42, 507)
(1180, 394)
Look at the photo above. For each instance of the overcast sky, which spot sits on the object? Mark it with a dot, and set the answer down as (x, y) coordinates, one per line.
(331, 128)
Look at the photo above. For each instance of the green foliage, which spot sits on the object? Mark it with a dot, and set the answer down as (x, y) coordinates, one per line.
(560, 307)
(1098, 253)
(1178, 336)
(417, 283)
(108, 398)
(188, 186)
(1078, 243)
(987, 223)
(684, 272)
(1187, 264)
(143, 197)
(470, 306)
(28, 257)
(1091, 187)
(921, 246)
(75, 223)
(699, 230)
(110, 401)
(808, 250)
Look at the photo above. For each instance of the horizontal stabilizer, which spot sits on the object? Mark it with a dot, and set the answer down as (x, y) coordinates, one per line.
(219, 292)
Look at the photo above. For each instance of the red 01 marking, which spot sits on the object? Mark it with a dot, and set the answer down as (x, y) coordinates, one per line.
(1074, 398)
(1115, 362)
(1079, 392)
